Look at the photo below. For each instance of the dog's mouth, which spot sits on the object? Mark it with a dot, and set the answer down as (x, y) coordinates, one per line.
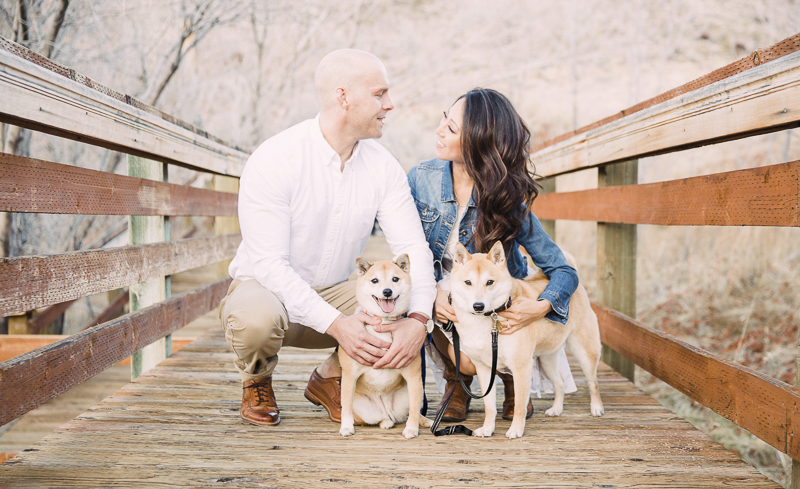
(386, 305)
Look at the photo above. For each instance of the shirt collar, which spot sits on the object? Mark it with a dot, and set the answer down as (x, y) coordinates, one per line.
(328, 155)
(448, 192)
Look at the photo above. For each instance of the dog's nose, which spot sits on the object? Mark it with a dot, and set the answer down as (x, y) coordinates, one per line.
(478, 306)
(387, 293)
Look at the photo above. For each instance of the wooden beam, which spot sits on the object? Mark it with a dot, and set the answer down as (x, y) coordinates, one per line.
(765, 196)
(761, 100)
(616, 262)
(13, 346)
(548, 189)
(39, 94)
(765, 406)
(34, 378)
(31, 282)
(30, 185)
(114, 309)
(40, 320)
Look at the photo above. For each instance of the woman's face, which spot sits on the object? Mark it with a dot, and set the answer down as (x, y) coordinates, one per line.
(448, 141)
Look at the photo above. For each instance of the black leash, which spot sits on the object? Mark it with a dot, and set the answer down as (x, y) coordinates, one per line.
(458, 429)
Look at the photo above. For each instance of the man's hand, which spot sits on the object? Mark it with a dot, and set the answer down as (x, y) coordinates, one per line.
(408, 335)
(444, 311)
(523, 311)
(353, 338)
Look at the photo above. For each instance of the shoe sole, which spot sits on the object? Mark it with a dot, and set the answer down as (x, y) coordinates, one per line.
(259, 423)
(313, 400)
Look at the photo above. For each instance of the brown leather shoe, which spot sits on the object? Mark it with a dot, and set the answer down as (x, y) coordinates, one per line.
(459, 403)
(326, 393)
(508, 402)
(258, 402)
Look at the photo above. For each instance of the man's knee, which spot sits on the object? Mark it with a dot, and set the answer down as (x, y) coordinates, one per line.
(254, 320)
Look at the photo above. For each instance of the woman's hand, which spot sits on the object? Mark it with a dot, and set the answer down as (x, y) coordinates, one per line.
(444, 311)
(523, 311)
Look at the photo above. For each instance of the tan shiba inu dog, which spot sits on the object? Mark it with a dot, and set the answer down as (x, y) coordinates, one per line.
(383, 396)
(481, 284)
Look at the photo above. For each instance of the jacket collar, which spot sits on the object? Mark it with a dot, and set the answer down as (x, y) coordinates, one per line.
(448, 192)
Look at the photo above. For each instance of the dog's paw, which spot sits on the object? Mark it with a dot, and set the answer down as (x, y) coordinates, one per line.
(483, 432)
(347, 430)
(411, 432)
(514, 432)
(598, 410)
(425, 422)
(554, 411)
(386, 424)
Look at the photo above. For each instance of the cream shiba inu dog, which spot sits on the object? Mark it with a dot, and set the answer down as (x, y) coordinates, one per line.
(481, 284)
(383, 396)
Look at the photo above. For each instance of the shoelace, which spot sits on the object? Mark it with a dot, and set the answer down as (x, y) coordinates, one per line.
(262, 391)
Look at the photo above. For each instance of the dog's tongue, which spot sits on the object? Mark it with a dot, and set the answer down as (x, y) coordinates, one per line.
(387, 305)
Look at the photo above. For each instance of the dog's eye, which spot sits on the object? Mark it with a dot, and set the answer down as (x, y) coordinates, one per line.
(374, 280)
(395, 279)
(490, 282)
(468, 282)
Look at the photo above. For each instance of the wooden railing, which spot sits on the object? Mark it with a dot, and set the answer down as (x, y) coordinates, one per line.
(41, 95)
(755, 95)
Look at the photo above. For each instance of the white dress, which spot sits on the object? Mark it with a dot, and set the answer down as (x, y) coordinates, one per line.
(540, 384)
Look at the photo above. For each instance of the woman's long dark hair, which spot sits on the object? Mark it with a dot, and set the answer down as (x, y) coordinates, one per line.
(495, 146)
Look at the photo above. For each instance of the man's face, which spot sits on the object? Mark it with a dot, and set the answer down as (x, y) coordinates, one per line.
(369, 103)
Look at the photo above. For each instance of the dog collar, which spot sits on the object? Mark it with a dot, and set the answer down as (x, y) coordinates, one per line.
(385, 319)
(499, 309)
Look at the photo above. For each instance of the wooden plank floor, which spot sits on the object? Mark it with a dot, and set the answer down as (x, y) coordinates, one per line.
(178, 426)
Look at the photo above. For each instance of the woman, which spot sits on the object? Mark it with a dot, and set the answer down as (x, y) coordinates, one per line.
(479, 190)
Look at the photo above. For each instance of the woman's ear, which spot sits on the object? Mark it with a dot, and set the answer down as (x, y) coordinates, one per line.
(461, 255)
(362, 266)
(497, 255)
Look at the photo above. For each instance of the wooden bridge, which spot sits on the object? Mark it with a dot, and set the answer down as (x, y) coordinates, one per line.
(177, 423)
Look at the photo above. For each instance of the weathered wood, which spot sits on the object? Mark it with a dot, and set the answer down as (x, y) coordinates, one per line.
(616, 261)
(548, 189)
(30, 185)
(18, 324)
(763, 99)
(40, 320)
(31, 282)
(756, 58)
(114, 309)
(39, 94)
(16, 345)
(764, 196)
(143, 230)
(183, 417)
(225, 225)
(763, 405)
(31, 379)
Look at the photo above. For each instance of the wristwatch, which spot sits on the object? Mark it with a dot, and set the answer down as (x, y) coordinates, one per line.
(426, 321)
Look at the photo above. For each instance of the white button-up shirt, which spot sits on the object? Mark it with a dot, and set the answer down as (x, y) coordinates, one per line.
(305, 221)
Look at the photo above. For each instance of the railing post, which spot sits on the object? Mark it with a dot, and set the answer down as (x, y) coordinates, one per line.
(795, 463)
(225, 224)
(549, 187)
(142, 230)
(616, 261)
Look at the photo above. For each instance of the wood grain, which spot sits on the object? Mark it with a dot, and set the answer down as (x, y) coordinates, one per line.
(41, 95)
(764, 196)
(763, 99)
(765, 406)
(34, 378)
(15, 345)
(30, 185)
(31, 282)
(178, 426)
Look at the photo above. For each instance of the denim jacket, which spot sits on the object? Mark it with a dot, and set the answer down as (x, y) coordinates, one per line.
(431, 185)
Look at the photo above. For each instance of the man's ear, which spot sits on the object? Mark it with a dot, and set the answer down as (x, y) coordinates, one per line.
(341, 97)
(362, 266)
(461, 255)
(403, 262)
(497, 255)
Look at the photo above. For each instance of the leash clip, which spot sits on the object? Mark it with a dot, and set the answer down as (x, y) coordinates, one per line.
(496, 326)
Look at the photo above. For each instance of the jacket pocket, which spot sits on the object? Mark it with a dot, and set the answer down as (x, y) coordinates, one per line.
(428, 216)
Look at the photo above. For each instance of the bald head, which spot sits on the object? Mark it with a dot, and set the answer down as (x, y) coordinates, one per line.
(348, 69)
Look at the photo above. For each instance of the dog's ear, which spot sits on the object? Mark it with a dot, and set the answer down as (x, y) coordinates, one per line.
(461, 255)
(497, 255)
(362, 266)
(403, 262)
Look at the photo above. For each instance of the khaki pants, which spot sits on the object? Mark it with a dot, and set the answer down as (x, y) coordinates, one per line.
(257, 326)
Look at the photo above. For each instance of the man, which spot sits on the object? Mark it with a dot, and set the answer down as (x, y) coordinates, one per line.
(308, 198)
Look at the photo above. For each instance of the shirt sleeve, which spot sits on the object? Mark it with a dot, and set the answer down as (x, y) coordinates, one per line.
(399, 220)
(265, 218)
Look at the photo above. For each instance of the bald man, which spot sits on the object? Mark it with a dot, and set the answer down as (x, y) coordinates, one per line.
(308, 198)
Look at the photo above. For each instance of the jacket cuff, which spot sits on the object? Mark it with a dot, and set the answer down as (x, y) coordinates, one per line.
(560, 312)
